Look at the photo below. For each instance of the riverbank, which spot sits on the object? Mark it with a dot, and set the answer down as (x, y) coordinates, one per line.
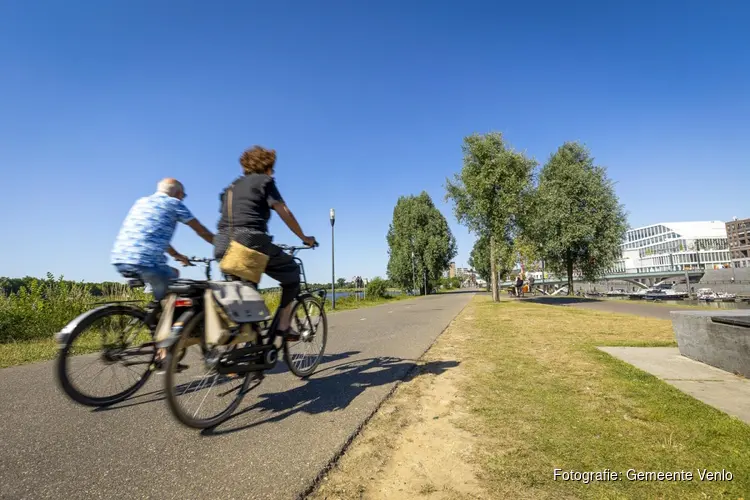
(532, 394)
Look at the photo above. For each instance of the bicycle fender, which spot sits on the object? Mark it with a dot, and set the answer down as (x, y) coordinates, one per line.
(173, 336)
(62, 336)
(175, 331)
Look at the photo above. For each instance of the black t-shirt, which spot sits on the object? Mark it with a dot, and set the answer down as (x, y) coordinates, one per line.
(253, 196)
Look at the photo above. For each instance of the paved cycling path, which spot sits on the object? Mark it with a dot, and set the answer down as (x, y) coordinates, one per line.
(284, 433)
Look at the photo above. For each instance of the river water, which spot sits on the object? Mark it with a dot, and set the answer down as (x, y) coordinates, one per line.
(708, 305)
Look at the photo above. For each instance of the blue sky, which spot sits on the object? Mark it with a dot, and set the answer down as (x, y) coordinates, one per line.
(362, 101)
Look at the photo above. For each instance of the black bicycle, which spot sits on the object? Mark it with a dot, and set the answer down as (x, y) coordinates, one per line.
(108, 353)
(217, 377)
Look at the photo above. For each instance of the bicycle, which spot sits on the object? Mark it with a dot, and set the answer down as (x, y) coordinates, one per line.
(242, 357)
(119, 348)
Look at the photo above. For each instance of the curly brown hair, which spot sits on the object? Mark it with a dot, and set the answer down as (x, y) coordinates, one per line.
(257, 160)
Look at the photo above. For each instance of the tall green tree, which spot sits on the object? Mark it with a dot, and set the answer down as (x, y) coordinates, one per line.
(578, 221)
(421, 245)
(490, 191)
(527, 251)
(480, 258)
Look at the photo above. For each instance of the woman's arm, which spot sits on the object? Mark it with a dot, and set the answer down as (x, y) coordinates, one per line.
(288, 217)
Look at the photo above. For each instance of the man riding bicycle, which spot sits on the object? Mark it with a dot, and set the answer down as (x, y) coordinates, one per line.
(253, 196)
(145, 236)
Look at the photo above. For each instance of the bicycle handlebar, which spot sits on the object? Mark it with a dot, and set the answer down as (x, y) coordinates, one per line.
(200, 260)
(294, 249)
(288, 248)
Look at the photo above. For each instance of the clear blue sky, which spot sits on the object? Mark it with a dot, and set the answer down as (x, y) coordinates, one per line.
(363, 102)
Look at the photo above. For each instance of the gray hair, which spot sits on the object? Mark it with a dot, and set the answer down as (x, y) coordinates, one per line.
(170, 187)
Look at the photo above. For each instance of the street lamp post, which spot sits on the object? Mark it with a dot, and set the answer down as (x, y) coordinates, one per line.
(413, 270)
(413, 274)
(333, 263)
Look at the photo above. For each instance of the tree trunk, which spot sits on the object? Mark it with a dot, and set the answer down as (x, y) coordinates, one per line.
(569, 266)
(493, 270)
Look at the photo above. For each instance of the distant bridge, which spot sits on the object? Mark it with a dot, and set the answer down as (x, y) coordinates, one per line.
(636, 279)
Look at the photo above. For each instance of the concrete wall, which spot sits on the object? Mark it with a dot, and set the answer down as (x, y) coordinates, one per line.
(716, 344)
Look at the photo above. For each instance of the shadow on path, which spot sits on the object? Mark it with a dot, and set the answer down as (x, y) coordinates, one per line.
(159, 395)
(332, 392)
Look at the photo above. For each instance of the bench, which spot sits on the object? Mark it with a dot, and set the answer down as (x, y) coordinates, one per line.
(717, 338)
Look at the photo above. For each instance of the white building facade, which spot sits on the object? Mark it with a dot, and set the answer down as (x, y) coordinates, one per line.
(675, 246)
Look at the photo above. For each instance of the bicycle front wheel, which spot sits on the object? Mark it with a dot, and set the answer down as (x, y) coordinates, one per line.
(309, 320)
(122, 364)
(199, 396)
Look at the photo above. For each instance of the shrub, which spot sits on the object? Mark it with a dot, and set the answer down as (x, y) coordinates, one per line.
(41, 307)
(377, 288)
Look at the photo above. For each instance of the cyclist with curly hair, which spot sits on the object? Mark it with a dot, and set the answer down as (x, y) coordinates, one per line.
(254, 195)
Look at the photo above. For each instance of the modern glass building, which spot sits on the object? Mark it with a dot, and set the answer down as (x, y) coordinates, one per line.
(675, 246)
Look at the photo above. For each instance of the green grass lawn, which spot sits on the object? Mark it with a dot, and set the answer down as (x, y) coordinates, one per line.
(543, 397)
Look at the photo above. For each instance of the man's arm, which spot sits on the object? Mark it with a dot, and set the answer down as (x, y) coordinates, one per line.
(201, 230)
(177, 255)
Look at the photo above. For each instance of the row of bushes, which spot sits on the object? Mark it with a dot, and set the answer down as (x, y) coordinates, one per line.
(41, 307)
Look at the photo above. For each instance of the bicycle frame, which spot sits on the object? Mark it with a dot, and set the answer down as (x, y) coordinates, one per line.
(306, 292)
(269, 326)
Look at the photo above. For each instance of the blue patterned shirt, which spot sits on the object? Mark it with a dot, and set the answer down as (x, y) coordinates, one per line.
(148, 229)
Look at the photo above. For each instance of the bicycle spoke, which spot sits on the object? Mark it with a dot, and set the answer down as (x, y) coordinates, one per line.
(112, 334)
(204, 397)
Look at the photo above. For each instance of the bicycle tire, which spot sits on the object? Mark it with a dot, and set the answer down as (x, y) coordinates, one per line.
(324, 320)
(62, 359)
(191, 319)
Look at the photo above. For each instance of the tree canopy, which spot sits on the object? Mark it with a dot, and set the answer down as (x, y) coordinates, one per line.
(527, 251)
(420, 243)
(479, 259)
(577, 220)
(490, 191)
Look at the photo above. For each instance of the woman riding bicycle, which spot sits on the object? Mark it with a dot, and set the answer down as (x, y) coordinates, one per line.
(252, 197)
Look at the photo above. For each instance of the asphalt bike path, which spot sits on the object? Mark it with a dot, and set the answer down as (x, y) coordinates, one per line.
(285, 432)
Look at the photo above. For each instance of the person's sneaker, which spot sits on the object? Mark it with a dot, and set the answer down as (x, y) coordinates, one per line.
(160, 367)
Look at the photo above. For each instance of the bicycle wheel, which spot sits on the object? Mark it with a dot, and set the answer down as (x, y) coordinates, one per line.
(195, 382)
(309, 320)
(125, 359)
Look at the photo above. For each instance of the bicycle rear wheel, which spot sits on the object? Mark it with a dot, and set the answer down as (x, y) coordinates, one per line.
(309, 320)
(214, 396)
(124, 362)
